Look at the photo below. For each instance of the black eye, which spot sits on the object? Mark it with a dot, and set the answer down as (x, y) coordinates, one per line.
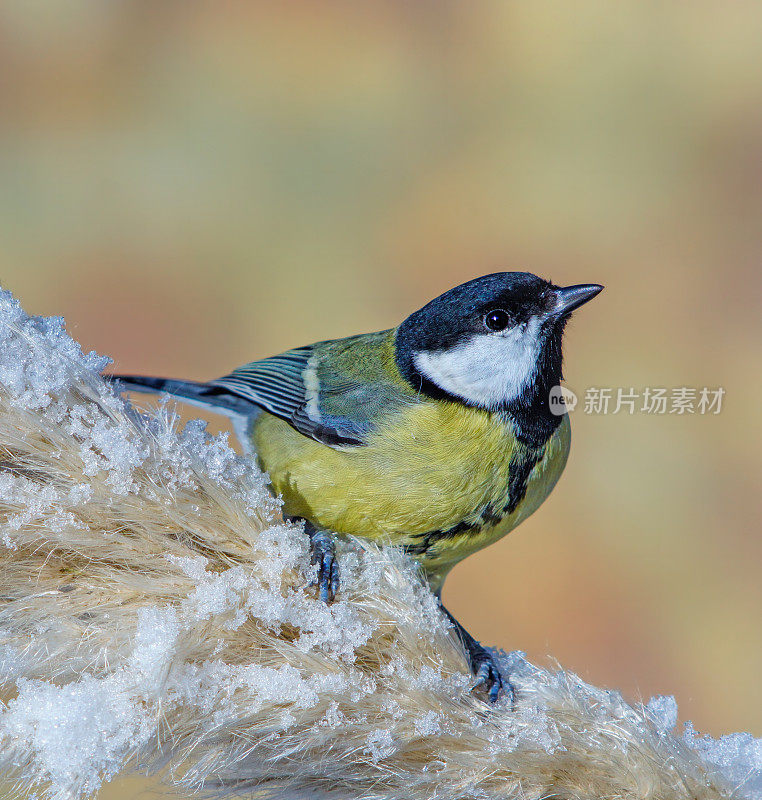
(497, 320)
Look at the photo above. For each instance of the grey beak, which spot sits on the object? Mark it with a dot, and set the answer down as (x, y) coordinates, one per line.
(571, 297)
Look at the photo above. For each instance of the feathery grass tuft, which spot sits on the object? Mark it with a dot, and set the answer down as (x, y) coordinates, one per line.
(154, 615)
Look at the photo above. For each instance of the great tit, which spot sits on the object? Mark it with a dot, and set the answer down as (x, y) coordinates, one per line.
(438, 435)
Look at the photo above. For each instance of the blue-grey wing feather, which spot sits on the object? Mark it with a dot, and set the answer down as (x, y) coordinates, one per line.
(275, 384)
(334, 392)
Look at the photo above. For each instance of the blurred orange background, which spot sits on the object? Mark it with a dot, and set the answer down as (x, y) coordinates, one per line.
(195, 185)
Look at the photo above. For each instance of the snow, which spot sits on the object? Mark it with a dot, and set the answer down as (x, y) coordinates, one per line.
(663, 711)
(738, 756)
(80, 733)
(38, 356)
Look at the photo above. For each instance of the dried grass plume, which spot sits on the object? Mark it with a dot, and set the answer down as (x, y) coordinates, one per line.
(154, 616)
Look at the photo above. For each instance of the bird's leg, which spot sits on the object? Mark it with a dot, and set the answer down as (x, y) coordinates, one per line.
(323, 549)
(483, 663)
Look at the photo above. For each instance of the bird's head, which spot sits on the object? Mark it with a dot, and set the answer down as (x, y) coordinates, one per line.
(491, 342)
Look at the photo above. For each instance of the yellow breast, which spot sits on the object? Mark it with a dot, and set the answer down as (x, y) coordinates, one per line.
(429, 467)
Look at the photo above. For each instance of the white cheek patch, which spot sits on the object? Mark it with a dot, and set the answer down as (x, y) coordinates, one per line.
(488, 369)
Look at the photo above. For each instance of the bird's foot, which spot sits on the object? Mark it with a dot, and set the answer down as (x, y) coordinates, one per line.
(488, 675)
(323, 549)
(484, 666)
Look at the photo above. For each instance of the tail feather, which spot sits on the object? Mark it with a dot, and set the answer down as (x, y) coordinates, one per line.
(193, 392)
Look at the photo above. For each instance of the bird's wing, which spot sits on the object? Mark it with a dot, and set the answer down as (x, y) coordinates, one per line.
(276, 383)
(331, 391)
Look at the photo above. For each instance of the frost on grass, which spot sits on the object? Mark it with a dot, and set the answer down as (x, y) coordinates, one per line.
(155, 615)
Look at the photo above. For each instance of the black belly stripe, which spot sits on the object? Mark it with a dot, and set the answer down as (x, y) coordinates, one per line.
(523, 461)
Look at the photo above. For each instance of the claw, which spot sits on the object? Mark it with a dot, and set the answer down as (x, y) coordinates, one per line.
(484, 666)
(488, 675)
(324, 556)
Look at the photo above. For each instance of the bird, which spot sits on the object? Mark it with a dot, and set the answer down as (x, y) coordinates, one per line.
(438, 436)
